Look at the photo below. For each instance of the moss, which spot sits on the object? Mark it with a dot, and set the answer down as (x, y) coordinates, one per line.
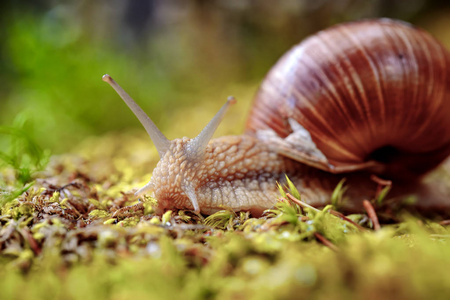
(78, 233)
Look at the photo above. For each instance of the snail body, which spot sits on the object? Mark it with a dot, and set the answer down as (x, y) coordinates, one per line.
(369, 97)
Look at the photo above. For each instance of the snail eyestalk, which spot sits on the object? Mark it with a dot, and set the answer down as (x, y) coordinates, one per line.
(158, 138)
(197, 145)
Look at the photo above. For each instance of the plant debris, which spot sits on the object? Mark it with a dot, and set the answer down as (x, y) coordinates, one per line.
(79, 232)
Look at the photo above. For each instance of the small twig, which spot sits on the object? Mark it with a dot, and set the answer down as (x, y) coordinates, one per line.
(444, 222)
(326, 242)
(442, 236)
(341, 216)
(372, 214)
(381, 184)
(295, 200)
(380, 181)
(30, 240)
(74, 184)
(301, 203)
(304, 218)
(128, 211)
(73, 208)
(333, 212)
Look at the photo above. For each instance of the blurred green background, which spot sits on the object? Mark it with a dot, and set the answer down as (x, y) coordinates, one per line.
(174, 57)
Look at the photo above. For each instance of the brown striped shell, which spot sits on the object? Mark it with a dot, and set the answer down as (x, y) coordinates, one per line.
(372, 94)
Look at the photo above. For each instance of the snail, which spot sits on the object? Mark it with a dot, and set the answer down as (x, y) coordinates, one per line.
(359, 98)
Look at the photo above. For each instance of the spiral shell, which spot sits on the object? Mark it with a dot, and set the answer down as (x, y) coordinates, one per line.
(369, 90)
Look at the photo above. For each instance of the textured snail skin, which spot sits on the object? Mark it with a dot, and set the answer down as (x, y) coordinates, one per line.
(240, 173)
(235, 172)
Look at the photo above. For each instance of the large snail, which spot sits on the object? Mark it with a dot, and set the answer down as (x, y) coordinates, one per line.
(361, 98)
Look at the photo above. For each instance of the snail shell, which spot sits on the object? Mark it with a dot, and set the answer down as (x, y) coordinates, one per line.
(372, 95)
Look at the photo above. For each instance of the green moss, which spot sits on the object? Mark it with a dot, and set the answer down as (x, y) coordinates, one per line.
(85, 236)
(263, 265)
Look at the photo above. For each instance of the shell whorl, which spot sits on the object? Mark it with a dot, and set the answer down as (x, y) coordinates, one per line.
(368, 90)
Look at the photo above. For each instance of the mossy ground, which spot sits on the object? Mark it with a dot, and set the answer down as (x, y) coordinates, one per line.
(70, 237)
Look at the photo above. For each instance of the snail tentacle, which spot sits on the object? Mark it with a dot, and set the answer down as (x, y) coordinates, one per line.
(158, 138)
(196, 147)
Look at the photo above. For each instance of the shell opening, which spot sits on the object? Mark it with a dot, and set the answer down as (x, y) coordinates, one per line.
(402, 165)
